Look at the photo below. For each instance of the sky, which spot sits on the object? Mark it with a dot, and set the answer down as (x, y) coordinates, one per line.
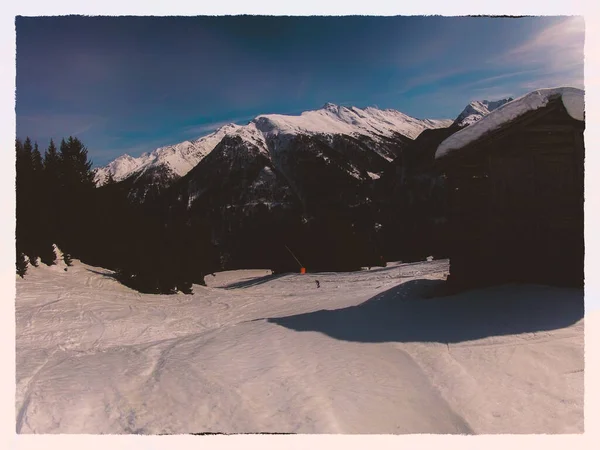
(132, 84)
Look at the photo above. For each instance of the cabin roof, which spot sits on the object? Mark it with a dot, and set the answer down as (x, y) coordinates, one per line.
(572, 99)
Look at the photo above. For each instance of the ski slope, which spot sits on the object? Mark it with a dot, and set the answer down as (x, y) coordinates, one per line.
(367, 352)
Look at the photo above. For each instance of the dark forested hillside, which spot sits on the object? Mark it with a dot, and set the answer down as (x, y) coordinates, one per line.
(323, 202)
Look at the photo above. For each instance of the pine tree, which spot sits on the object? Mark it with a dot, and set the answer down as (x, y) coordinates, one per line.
(50, 194)
(36, 158)
(24, 207)
(109, 179)
(76, 197)
(36, 205)
(51, 162)
(27, 147)
(77, 170)
(21, 264)
(68, 260)
(185, 287)
(48, 255)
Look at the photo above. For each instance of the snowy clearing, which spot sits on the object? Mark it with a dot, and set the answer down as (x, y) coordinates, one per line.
(367, 352)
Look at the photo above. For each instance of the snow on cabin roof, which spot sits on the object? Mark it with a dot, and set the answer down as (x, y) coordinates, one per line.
(572, 98)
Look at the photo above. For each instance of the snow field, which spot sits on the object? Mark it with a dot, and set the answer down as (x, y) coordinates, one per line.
(367, 352)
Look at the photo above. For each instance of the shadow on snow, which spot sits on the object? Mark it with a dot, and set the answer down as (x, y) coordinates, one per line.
(407, 313)
(254, 281)
(104, 274)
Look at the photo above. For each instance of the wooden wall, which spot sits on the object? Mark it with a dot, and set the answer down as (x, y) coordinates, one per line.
(516, 203)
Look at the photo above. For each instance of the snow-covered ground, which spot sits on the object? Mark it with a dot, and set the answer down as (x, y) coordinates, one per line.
(367, 352)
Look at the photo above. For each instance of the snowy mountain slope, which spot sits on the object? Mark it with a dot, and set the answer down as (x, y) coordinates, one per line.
(179, 159)
(476, 110)
(237, 173)
(334, 119)
(367, 352)
(257, 201)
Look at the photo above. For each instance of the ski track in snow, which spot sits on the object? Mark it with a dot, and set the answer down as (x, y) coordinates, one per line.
(249, 354)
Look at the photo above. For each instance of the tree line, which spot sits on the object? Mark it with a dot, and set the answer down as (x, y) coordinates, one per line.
(159, 245)
(48, 190)
(152, 249)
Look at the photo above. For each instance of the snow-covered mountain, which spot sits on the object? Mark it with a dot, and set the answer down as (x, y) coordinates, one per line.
(331, 120)
(177, 159)
(476, 110)
(334, 119)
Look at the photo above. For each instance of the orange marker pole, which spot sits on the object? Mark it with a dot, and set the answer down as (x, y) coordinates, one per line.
(302, 268)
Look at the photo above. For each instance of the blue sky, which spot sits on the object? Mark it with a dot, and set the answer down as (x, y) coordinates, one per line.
(132, 84)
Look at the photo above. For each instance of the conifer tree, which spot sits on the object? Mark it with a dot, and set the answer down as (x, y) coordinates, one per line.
(48, 256)
(27, 147)
(21, 264)
(50, 194)
(75, 200)
(24, 207)
(68, 260)
(36, 204)
(51, 163)
(109, 179)
(77, 170)
(36, 159)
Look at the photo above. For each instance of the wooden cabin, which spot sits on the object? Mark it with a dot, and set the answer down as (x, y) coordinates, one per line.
(515, 191)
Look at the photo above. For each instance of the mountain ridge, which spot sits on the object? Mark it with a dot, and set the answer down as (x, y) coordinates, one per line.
(178, 159)
(478, 109)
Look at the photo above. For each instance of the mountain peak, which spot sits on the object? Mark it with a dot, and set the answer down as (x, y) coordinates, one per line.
(124, 157)
(332, 119)
(478, 109)
(330, 107)
(228, 127)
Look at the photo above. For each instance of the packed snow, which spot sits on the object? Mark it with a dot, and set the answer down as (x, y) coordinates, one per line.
(572, 98)
(373, 351)
(331, 119)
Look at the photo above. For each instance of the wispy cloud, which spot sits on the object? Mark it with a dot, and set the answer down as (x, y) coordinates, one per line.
(554, 80)
(428, 79)
(555, 52)
(205, 128)
(557, 46)
(492, 93)
(44, 127)
(492, 81)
